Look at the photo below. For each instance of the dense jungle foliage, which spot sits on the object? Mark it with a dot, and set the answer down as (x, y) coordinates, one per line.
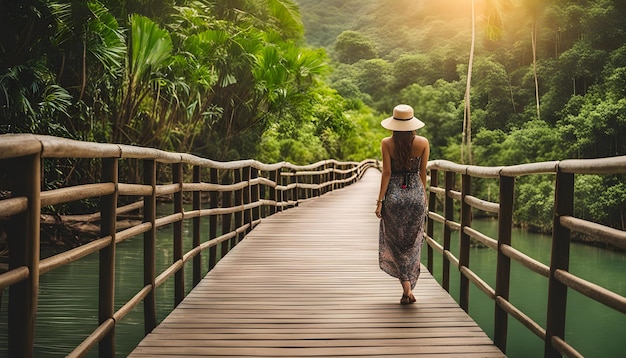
(304, 80)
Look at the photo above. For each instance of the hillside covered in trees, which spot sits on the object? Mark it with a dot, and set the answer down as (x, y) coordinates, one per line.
(305, 80)
(547, 82)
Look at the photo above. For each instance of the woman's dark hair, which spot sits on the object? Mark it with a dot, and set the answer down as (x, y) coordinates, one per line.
(402, 151)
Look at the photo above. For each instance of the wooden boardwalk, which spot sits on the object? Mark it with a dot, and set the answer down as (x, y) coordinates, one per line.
(306, 283)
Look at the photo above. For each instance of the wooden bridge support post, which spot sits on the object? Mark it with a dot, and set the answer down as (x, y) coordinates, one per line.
(559, 260)
(197, 206)
(106, 267)
(149, 246)
(430, 226)
(464, 246)
(255, 196)
(503, 276)
(213, 204)
(448, 211)
(179, 276)
(23, 242)
(227, 200)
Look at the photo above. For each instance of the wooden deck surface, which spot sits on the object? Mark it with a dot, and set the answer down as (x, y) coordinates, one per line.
(306, 283)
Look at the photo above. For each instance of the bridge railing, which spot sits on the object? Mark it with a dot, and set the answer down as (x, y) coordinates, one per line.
(237, 195)
(559, 277)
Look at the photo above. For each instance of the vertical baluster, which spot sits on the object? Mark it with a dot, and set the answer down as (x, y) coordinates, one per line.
(464, 246)
(430, 228)
(23, 242)
(226, 218)
(246, 174)
(503, 276)
(149, 246)
(213, 204)
(274, 175)
(318, 180)
(559, 260)
(197, 206)
(280, 194)
(255, 195)
(295, 192)
(449, 215)
(106, 276)
(240, 216)
(179, 277)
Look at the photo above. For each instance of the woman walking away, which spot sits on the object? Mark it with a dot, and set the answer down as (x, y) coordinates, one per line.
(401, 203)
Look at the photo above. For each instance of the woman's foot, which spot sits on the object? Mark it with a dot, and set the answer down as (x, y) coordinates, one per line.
(407, 298)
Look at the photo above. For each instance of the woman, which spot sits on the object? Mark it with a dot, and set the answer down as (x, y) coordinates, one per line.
(401, 203)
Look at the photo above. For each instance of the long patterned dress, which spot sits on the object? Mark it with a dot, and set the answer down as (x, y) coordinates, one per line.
(401, 231)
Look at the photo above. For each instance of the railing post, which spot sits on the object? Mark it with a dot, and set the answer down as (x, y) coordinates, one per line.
(559, 260)
(255, 195)
(448, 210)
(317, 180)
(240, 216)
(23, 242)
(280, 194)
(149, 246)
(227, 201)
(247, 192)
(331, 175)
(295, 191)
(213, 204)
(179, 276)
(464, 246)
(273, 191)
(197, 206)
(108, 220)
(430, 227)
(503, 271)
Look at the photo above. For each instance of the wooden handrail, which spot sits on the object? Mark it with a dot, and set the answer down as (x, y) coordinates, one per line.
(559, 277)
(251, 190)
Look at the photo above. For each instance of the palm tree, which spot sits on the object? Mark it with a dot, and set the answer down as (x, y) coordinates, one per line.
(149, 49)
(534, 7)
(466, 140)
(493, 9)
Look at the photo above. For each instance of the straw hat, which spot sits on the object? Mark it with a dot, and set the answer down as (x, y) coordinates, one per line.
(402, 120)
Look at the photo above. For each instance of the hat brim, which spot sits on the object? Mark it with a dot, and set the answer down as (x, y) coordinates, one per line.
(400, 125)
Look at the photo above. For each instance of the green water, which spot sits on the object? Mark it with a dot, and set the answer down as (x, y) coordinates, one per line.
(68, 301)
(591, 328)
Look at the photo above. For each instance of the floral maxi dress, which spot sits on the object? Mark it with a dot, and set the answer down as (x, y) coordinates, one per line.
(401, 230)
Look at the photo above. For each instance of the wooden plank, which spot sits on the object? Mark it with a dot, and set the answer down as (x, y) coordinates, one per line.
(306, 283)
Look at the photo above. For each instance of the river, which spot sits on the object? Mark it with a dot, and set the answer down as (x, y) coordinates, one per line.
(592, 329)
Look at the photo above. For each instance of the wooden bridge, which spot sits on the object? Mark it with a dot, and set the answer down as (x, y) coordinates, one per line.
(301, 277)
(306, 283)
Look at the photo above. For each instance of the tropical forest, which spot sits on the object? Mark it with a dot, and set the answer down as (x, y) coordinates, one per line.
(497, 82)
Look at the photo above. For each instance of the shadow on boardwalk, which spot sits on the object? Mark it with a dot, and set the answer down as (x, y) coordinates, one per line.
(306, 283)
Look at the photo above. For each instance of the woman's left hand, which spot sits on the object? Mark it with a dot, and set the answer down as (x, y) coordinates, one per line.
(379, 206)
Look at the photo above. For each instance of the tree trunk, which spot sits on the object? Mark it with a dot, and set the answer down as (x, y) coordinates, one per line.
(534, 42)
(467, 118)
